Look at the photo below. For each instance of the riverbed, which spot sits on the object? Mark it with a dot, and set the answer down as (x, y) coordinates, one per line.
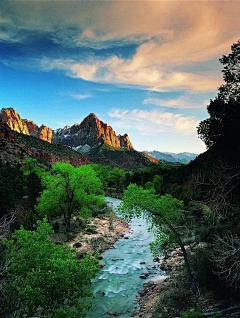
(117, 283)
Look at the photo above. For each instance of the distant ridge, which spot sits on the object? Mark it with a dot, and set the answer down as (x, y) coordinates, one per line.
(183, 157)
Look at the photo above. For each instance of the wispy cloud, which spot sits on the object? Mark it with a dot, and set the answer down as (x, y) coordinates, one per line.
(80, 96)
(156, 121)
(184, 102)
(136, 71)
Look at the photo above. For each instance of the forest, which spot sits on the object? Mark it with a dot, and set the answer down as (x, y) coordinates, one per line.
(192, 207)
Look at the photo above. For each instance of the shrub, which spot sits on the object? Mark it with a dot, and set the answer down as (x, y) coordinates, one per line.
(46, 277)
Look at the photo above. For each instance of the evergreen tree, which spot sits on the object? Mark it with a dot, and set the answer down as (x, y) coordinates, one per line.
(224, 110)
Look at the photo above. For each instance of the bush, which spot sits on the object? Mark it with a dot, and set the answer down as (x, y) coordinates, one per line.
(203, 270)
(46, 277)
(192, 314)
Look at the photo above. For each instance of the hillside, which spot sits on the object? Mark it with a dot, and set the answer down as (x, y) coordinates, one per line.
(15, 147)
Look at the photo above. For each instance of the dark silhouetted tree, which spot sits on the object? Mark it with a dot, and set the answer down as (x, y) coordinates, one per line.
(224, 110)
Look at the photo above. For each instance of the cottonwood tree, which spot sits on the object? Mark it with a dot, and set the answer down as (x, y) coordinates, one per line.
(164, 212)
(68, 189)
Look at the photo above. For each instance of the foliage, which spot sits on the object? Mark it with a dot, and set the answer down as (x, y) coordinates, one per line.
(112, 178)
(224, 110)
(69, 189)
(46, 277)
(164, 209)
(192, 314)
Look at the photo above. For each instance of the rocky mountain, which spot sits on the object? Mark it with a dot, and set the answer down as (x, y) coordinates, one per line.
(97, 142)
(10, 117)
(15, 147)
(91, 132)
(183, 157)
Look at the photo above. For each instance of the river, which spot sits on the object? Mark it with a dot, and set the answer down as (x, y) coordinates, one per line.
(117, 283)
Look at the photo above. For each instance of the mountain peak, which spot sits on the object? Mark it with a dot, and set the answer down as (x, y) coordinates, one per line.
(93, 132)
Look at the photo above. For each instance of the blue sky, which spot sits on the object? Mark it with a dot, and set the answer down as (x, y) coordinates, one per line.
(148, 68)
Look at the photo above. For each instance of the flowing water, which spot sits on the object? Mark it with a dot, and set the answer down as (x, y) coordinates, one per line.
(117, 283)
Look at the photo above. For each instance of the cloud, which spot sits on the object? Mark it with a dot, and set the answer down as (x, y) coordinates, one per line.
(155, 121)
(169, 35)
(184, 102)
(136, 72)
(80, 96)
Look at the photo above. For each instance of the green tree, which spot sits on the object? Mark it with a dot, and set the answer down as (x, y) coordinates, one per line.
(224, 110)
(157, 183)
(164, 212)
(68, 189)
(44, 278)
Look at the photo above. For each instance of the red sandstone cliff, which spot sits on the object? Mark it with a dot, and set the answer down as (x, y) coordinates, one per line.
(93, 132)
(10, 117)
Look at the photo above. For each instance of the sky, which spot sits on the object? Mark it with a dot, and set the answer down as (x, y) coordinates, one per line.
(146, 68)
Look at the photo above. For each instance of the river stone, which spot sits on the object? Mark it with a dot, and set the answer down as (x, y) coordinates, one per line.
(117, 259)
(142, 292)
(101, 264)
(100, 292)
(77, 245)
(150, 283)
(113, 313)
(91, 230)
(144, 275)
(141, 263)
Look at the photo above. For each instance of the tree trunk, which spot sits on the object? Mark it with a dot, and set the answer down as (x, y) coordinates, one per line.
(68, 223)
(185, 256)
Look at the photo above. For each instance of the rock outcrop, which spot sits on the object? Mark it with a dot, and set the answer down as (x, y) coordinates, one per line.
(45, 133)
(93, 132)
(10, 117)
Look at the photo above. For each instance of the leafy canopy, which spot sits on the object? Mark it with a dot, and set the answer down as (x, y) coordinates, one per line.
(46, 277)
(164, 209)
(68, 189)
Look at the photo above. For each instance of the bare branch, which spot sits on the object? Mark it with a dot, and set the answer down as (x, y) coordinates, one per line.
(226, 258)
(5, 224)
(214, 188)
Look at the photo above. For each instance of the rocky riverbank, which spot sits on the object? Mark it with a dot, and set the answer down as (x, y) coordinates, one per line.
(149, 295)
(99, 235)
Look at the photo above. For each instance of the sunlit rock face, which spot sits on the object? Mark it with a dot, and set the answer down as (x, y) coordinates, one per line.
(45, 133)
(10, 117)
(93, 132)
